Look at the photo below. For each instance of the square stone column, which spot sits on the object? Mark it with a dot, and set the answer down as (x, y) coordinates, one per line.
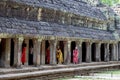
(7, 52)
(53, 44)
(117, 54)
(113, 52)
(107, 54)
(27, 51)
(18, 51)
(79, 45)
(36, 52)
(67, 52)
(88, 52)
(43, 53)
(119, 51)
(97, 53)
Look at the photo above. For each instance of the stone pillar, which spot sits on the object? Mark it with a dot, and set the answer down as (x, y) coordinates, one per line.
(79, 45)
(7, 52)
(65, 52)
(119, 51)
(107, 54)
(53, 44)
(113, 52)
(98, 51)
(27, 51)
(36, 52)
(68, 52)
(88, 52)
(117, 57)
(18, 51)
(43, 53)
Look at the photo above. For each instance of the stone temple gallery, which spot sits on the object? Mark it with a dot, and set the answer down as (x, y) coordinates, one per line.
(29, 27)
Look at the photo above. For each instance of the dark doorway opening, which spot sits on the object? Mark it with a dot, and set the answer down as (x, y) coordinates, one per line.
(61, 44)
(30, 59)
(119, 51)
(12, 53)
(47, 52)
(73, 45)
(93, 52)
(84, 52)
(102, 52)
(110, 52)
(2, 50)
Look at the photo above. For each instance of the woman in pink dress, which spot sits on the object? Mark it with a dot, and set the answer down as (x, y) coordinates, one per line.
(75, 55)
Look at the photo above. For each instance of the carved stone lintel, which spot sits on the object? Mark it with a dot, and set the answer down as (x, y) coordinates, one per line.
(69, 43)
(39, 40)
(20, 39)
(79, 43)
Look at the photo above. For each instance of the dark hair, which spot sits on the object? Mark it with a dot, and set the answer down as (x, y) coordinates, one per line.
(24, 45)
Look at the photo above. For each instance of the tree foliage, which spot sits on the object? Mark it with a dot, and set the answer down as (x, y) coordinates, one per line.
(110, 2)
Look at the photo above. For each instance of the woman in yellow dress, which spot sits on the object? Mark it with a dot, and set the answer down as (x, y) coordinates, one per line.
(59, 56)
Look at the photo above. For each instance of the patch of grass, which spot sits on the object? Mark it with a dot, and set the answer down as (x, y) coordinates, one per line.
(85, 78)
(109, 72)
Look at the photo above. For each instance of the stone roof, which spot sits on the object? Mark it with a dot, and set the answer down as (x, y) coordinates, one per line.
(72, 6)
(15, 26)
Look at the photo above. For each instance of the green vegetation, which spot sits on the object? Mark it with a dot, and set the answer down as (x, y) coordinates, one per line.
(110, 2)
(85, 79)
(110, 72)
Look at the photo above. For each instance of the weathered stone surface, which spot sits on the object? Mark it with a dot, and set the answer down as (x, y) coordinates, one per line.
(15, 26)
(55, 73)
(72, 6)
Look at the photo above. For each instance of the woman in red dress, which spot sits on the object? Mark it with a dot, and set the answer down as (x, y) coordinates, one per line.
(48, 55)
(23, 56)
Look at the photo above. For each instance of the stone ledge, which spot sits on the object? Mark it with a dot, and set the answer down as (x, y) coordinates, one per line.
(48, 67)
(55, 71)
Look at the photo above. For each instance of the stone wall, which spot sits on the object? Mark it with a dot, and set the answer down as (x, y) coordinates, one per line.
(20, 11)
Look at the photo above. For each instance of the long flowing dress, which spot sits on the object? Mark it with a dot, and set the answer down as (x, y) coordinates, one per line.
(59, 56)
(23, 57)
(48, 56)
(75, 56)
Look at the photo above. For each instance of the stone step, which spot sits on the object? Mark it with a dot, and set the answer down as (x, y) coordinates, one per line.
(49, 67)
(39, 73)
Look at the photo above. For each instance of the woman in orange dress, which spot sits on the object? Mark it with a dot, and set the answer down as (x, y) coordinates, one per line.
(59, 56)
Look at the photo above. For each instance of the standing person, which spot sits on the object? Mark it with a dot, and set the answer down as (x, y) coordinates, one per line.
(59, 56)
(75, 55)
(31, 55)
(48, 55)
(23, 56)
